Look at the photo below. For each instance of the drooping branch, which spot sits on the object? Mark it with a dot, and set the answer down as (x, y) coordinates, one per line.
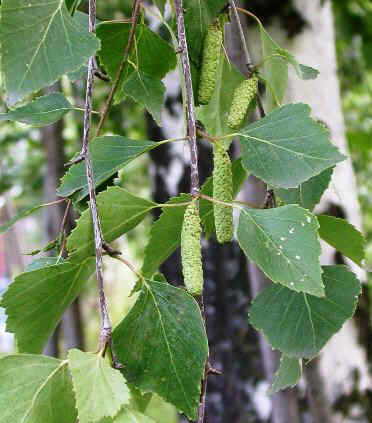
(106, 328)
(123, 64)
(189, 96)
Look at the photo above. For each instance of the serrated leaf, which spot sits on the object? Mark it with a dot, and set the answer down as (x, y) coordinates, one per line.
(152, 56)
(100, 390)
(44, 32)
(42, 111)
(165, 236)
(309, 193)
(298, 324)
(287, 147)
(109, 154)
(36, 300)
(343, 236)
(168, 345)
(35, 389)
(119, 210)
(128, 415)
(214, 115)
(284, 243)
(147, 91)
(288, 374)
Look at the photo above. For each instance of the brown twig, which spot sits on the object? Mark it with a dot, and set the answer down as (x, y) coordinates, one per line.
(191, 132)
(123, 64)
(189, 96)
(106, 328)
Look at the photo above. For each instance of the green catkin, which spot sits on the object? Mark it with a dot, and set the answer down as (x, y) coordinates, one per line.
(223, 191)
(192, 267)
(211, 58)
(242, 98)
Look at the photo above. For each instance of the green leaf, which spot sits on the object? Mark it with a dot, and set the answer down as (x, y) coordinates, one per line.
(275, 70)
(36, 300)
(40, 112)
(304, 72)
(284, 243)
(129, 415)
(299, 325)
(35, 389)
(100, 390)
(21, 215)
(214, 115)
(119, 210)
(288, 374)
(147, 91)
(165, 235)
(72, 5)
(109, 154)
(44, 32)
(343, 236)
(43, 262)
(309, 193)
(152, 58)
(287, 147)
(198, 15)
(168, 345)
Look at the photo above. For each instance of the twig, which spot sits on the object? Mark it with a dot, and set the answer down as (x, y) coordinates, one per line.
(129, 265)
(188, 99)
(189, 96)
(232, 204)
(124, 61)
(106, 328)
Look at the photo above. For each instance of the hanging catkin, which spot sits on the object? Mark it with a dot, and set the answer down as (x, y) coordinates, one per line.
(242, 98)
(192, 268)
(211, 58)
(223, 191)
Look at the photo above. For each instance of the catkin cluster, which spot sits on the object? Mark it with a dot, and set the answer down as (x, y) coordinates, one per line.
(223, 191)
(211, 58)
(192, 268)
(243, 95)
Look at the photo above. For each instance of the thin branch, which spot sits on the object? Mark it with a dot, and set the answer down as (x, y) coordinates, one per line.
(106, 328)
(189, 96)
(122, 67)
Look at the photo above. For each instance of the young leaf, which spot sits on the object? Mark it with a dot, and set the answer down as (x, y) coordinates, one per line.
(43, 262)
(288, 138)
(165, 236)
(288, 374)
(275, 70)
(53, 34)
(120, 211)
(284, 243)
(109, 154)
(343, 236)
(214, 114)
(309, 193)
(35, 389)
(302, 71)
(40, 112)
(168, 345)
(36, 300)
(100, 390)
(298, 324)
(147, 91)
